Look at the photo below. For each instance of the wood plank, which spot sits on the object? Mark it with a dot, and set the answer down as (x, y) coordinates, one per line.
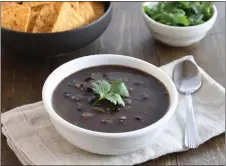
(22, 81)
(219, 25)
(210, 153)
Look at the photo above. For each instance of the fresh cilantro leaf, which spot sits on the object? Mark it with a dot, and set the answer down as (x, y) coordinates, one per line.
(181, 20)
(207, 10)
(119, 87)
(169, 7)
(116, 99)
(195, 19)
(119, 99)
(112, 92)
(111, 98)
(101, 87)
(148, 11)
(180, 13)
(184, 4)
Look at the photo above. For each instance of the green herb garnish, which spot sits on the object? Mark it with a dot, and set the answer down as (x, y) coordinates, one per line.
(112, 92)
(180, 13)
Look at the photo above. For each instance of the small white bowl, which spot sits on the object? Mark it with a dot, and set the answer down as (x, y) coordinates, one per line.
(100, 142)
(177, 36)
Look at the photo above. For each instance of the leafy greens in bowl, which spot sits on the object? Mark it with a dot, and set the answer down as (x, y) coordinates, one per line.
(180, 13)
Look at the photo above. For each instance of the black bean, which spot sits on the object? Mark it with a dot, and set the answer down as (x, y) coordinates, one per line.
(137, 82)
(138, 118)
(66, 94)
(121, 118)
(105, 75)
(92, 99)
(93, 75)
(87, 79)
(91, 81)
(144, 96)
(78, 107)
(87, 115)
(87, 88)
(98, 109)
(77, 104)
(76, 98)
(106, 121)
(117, 109)
(128, 101)
(73, 82)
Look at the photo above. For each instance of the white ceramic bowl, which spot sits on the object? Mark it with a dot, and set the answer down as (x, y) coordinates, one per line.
(99, 142)
(177, 36)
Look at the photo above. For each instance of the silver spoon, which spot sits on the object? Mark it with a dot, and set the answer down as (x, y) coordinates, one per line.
(188, 80)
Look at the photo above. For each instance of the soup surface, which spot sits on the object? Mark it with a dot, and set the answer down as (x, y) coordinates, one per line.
(75, 101)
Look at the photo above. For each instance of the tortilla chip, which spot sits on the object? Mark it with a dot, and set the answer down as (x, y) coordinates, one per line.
(86, 11)
(7, 5)
(18, 2)
(46, 18)
(36, 9)
(67, 19)
(75, 5)
(16, 18)
(98, 8)
(33, 17)
(35, 4)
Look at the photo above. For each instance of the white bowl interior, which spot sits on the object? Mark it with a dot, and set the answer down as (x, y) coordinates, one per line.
(97, 60)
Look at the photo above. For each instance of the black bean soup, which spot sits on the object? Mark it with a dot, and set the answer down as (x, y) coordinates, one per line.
(75, 101)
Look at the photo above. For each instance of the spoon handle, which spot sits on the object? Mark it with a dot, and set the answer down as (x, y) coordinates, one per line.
(191, 133)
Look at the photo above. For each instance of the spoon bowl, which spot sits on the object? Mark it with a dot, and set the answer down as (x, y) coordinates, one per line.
(187, 77)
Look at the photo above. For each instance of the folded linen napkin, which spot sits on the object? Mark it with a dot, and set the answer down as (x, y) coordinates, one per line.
(35, 141)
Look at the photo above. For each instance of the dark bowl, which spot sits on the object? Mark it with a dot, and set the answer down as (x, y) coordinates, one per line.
(53, 44)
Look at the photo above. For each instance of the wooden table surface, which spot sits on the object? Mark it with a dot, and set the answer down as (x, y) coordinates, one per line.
(22, 79)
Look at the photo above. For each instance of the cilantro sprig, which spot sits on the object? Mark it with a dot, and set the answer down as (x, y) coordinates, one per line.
(113, 92)
(180, 13)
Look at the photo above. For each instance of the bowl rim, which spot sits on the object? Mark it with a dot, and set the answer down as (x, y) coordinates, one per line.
(164, 119)
(67, 31)
(214, 16)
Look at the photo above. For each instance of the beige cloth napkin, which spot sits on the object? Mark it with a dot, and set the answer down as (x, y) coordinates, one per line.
(35, 141)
